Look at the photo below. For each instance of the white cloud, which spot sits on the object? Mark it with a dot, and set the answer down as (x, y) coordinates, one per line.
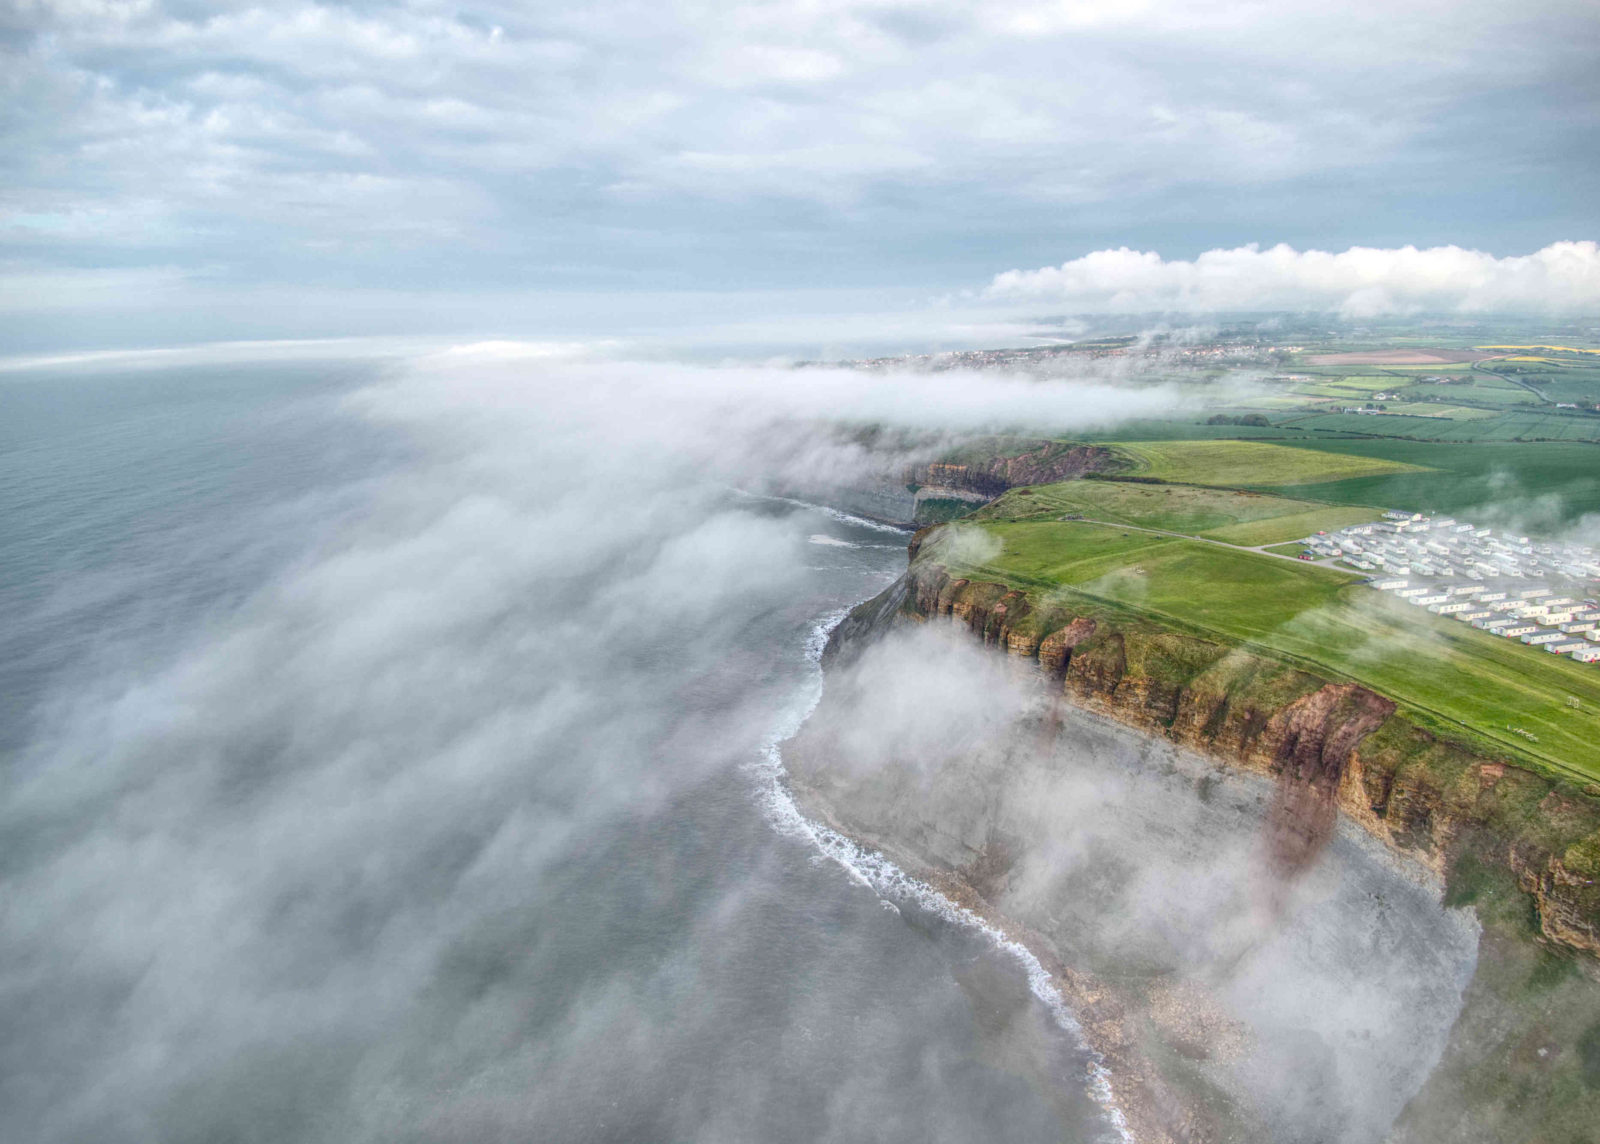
(227, 114)
(1361, 281)
(279, 825)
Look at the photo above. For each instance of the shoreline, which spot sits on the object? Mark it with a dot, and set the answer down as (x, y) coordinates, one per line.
(890, 874)
(1115, 1017)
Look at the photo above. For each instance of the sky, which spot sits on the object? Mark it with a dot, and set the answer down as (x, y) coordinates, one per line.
(177, 170)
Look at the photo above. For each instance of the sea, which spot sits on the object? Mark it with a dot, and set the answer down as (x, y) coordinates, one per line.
(395, 754)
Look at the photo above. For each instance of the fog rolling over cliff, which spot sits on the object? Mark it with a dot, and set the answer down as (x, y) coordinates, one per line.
(1289, 1007)
(376, 765)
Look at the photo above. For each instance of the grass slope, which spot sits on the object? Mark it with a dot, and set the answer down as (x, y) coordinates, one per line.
(1292, 526)
(1544, 485)
(1191, 430)
(1239, 464)
(1223, 514)
(1459, 681)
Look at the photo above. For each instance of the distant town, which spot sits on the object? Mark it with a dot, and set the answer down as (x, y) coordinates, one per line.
(1478, 576)
(1249, 351)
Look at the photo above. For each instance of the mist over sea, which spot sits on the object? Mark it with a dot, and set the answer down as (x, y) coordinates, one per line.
(383, 761)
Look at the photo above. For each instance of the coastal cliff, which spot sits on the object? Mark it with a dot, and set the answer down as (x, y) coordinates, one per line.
(1332, 746)
(1519, 847)
(987, 470)
(974, 475)
(963, 479)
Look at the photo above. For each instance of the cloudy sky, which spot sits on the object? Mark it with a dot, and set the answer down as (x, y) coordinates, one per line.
(426, 162)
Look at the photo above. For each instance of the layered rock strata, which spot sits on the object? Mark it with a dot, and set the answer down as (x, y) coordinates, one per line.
(1331, 746)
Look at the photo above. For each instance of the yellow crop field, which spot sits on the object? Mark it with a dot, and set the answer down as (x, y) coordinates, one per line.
(1556, 349)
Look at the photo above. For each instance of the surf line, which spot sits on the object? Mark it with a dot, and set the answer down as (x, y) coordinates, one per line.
(827, 510)
(834, 542)
(890, 883)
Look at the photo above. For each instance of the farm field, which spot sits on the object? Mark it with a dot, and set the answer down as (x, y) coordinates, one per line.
(1461, 398)
(1436, 422)
(1397, 356)
(1561, 381)
(1532, 425)
(1444, 674)
(1543, 349)
(1434, 409)
(1395, 425)
(1337, 389)
(1455, 369)
(1239, 464)
(1499, 395)
(1299, 402)
(1406, 424)
(1237, 517)
(1361, 383)
(1190, 430)
(1543, 486)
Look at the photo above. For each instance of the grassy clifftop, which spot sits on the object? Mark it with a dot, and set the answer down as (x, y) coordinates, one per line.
(1234, 464)
(1220, 514)
(1494, 696)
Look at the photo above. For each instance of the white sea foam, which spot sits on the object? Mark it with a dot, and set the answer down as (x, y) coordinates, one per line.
(837, 542)
(837, 514)
(894, 886)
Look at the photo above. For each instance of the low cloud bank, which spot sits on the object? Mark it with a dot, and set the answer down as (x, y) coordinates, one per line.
(1360, 282)
(412, 840)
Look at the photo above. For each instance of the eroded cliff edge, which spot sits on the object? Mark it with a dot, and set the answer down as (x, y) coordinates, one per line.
(1341, 747)
(962, 479)
(1521, 848)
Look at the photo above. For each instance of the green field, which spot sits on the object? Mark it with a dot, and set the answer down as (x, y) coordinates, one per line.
(1372, 383)
(1499, 395)
(1412, 422)
(1503, 400)
(1292, 402)
(1239, 464)
(1444, 674)
(1521, 424)
(1441, 368)
(1547, 480)
(1293, 526)
(1191, 430)
(1236, 517)
(1439, 409)
(1345, 390)
(1392, 421)
(1546, 486)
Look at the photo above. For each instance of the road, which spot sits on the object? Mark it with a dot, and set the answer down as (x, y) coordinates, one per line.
(1477, 367)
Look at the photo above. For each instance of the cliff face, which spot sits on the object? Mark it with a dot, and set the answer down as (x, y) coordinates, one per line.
(1328, 746)
(1151, 882)
(990, 473)
(1521, 1058)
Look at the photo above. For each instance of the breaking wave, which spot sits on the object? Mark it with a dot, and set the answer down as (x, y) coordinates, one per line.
(837, 514)
(835, 542)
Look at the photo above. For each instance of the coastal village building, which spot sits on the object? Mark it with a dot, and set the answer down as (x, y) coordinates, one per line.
(1478, 576)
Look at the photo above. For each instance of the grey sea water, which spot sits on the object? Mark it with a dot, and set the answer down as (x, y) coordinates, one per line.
(384, 761)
